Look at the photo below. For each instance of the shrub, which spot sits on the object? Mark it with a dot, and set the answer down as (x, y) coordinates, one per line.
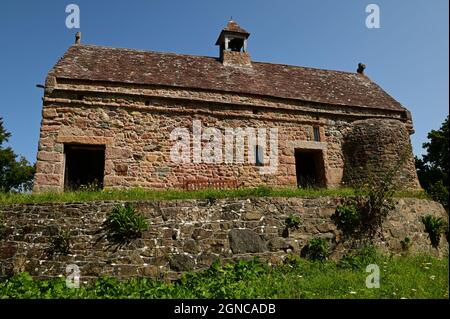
(406, 243)
(223, 281)
(60, 244)
(361, 218)
(317, 249)
(347, 218)
(292, 222)
(124, 224)
(358, 258)
(291, 260)
(439, 193)
(16, 173)
(434, 226)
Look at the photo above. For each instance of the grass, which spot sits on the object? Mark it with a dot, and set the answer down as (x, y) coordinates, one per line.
(401, 277)
(145, 194)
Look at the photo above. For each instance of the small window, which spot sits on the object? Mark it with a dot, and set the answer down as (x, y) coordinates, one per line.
(316, 133)
(259, 155)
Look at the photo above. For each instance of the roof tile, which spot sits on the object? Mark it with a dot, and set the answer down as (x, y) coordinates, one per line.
(97, 63)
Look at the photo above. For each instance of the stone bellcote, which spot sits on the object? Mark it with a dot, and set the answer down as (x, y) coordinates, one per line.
(232, 42)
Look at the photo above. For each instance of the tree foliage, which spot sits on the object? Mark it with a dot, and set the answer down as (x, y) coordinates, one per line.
(432, 169)
(16, 173)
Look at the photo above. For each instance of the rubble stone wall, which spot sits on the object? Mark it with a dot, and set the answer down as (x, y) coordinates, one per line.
(374, 149)
(135, 124)
(185, 235)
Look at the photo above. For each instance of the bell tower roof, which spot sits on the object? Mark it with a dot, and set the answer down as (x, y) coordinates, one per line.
(232, 28)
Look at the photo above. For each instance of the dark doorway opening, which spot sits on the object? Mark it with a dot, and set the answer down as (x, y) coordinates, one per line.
(85, 166)
(309, 167)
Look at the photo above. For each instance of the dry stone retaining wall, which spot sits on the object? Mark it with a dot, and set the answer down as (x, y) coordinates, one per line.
(184, 235)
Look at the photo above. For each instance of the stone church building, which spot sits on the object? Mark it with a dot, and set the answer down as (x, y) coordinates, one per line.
(109, 114)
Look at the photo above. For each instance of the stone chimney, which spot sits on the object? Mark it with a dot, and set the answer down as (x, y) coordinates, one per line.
(361, 68)
(232, 42)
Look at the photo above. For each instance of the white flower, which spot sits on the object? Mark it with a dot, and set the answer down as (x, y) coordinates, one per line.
(432, 277)
(353, 292)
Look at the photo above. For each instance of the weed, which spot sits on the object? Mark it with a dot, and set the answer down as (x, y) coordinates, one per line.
(406, 243)
(123, 224)
(435, 227)
(317, 249)
(60, 244)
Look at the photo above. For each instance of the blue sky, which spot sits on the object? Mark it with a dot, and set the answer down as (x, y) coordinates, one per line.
(408, 56)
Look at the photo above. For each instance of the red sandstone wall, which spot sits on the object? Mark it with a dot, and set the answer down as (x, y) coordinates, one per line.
(135, 128)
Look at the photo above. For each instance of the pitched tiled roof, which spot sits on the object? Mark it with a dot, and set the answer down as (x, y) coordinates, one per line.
(88, 62)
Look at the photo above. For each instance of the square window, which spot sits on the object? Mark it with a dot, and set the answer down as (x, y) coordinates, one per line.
(84, 166)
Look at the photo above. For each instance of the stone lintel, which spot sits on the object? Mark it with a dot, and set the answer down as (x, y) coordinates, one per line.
(90, 140)
(307, 145)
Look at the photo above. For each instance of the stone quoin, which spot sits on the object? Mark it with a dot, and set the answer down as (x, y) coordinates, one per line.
(108, 114)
